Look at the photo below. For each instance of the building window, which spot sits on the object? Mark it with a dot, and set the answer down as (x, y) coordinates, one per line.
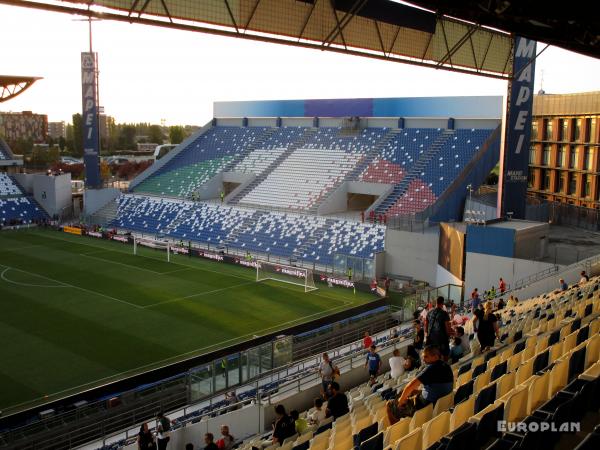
(576, 129)
(546, 155)
(572, 184)
(532, 154)
(588, 156)
(531, 179)
(534, 130)
(548, 130)
(587, 187)
(562, 181)
(546, 178)
(591, 130)
(573, 154)
(561, 160)
(563, 129)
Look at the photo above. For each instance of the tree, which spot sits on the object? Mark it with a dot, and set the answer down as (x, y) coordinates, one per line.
(62, 143)
(127, 137)
(176, 134)
(77, 149)
(155, 134)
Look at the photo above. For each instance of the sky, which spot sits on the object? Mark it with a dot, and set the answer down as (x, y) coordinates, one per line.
(152, 74)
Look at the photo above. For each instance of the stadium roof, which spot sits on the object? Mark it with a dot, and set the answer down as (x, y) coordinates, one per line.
(12, 85)
(380, 29)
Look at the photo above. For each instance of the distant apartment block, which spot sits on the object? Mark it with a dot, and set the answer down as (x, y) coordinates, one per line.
(563, 157)
(23, 125)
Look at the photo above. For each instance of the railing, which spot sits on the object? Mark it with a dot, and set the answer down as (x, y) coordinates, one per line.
(95, 422)
(452, 292)
(548, 272)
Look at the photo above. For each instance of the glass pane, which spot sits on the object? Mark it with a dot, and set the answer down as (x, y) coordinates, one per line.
(455, 294)
(369, 269)
(233, 369)
(244, 364)
(220, 374)
(339, 264)
(201, 382)
(357, 268)
(266, 363)
(253, 362)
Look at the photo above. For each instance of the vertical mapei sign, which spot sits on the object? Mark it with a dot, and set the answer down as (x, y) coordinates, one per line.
(515, 152)
(91, 140)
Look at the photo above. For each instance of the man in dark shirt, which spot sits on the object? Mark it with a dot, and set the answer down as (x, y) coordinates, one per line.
(438, 329)
(284, 425)
(436, 380)
(337, 405)
(209, 440)
(373, 362)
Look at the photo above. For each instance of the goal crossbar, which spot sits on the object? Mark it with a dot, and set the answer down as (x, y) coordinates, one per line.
(298, 276)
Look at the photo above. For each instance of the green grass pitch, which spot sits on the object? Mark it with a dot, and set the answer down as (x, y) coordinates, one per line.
(79, 312)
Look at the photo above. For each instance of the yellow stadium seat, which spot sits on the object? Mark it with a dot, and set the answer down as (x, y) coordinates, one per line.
(436, 428)
(462, 412)
(421, 416)
(412, 440)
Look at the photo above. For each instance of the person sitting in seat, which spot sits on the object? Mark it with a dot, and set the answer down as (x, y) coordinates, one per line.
(436, 380)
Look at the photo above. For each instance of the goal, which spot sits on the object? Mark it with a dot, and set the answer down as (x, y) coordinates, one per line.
(286, 274)
(152, 243)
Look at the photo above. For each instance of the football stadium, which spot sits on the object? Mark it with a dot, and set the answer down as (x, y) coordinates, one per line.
(316, 274)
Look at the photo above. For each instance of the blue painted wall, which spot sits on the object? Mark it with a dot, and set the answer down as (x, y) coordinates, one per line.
(491, 241)
(481, 107)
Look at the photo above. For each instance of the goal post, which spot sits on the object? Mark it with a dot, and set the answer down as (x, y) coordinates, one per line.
(151, 243)
(299, 276)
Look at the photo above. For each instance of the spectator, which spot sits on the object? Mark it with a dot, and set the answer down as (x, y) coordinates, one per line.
(387, 284)
(337, 405)
(283, 427)
(475, 300)
(411, 352)
(492, 293)
(367, 341)
(373, 362)
(456, 350)
(326, 371)
(396, 364)
(500, 304)
(464, 340)
(584, 277)
(373, 285)
(349, 273)
(409, 363)
(501, 286)
(145, 440)
(437, 328)
(319, 414)
(227, 441)
(419, 335)
(209, 441)
(300, 425)
(512, 302)
(485, 324)
(232, 399)
(163, 429)
(436, 380)
(563, 285)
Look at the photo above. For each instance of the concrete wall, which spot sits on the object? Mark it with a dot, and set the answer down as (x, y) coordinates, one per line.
(489, 124)
(262, 122)
(381, 122)
(483, 271)
(52, 193)
(444, 277)
(423, 122)
(337, 201)
(26, 181)
(412, 254)
(297, 121)
(230, 122)
(94, 199)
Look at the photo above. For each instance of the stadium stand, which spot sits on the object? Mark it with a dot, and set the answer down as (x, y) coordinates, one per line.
(15, 207)
(210, 153)
(545, 369)
(312, 238)
(5, 153)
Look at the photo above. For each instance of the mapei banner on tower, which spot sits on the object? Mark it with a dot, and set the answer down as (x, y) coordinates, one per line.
(91, 141)
(515, 153)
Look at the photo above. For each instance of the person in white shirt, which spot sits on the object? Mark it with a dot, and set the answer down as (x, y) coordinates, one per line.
(396, 364)
(466, 345)
(319, 414)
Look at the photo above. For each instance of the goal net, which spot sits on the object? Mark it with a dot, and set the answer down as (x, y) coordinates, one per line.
(151, 243)
(286, 274)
